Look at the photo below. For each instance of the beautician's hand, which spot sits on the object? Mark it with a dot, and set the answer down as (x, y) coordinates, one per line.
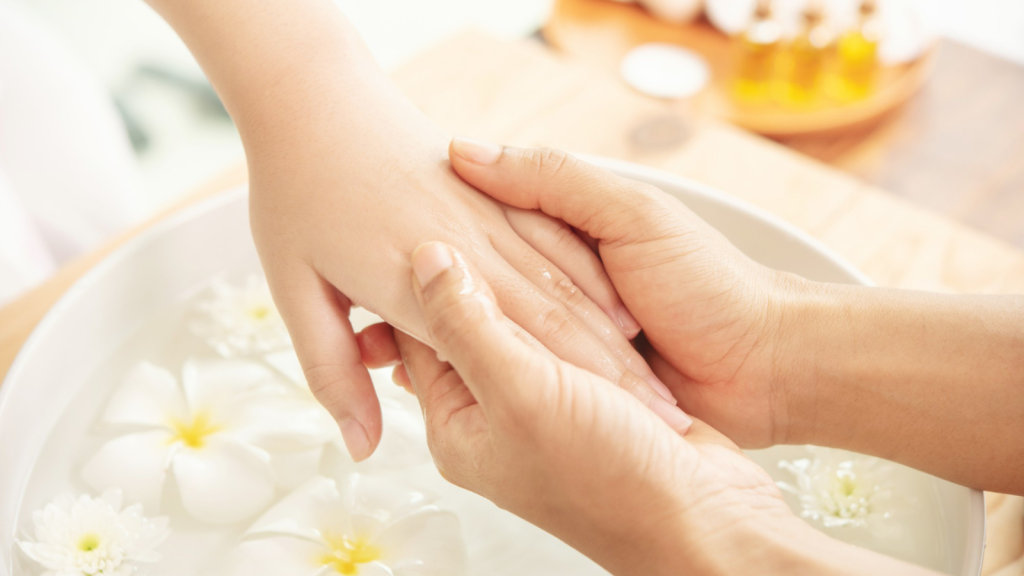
(709, 311)
(768, 357)
(577, 456)
(347, 177)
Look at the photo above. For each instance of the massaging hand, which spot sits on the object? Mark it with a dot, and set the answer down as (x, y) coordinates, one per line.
(768, 357)
(709, 312)
(560, 446)
(576, 455)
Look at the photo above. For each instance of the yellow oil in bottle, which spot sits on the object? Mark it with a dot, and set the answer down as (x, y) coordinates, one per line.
(857, 55)
(805, 59)
(755, 57)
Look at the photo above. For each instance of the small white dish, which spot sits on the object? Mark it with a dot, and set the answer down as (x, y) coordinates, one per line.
(664, 71)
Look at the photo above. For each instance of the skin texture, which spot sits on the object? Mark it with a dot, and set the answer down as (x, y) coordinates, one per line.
(933, 381)
(581, 458)
(347, 178)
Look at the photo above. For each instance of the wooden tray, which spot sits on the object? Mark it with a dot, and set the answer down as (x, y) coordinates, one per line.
(603, 31)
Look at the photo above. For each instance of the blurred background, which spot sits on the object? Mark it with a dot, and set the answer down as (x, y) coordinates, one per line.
(105, 118)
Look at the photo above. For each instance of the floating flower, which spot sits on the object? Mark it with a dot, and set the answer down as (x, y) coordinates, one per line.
(241, 320)
(370, 528)
(88, 536)
(215, 432)
(840, 488)
(403, 441)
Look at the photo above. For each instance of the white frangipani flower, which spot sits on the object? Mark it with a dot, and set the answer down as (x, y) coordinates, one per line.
(403, 441)
(215, 432)
(241, 320)
(88, 536)
(840, 488)
(370, 527)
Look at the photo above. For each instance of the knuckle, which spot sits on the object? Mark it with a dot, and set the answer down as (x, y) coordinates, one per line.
(566, 292)
(552, 163)
(556, 327)
(455, 316)
(325, 382)
(564, 239)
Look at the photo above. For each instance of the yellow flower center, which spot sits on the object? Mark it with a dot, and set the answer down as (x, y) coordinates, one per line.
(847, 485)
(89, 542)
(259, 312)
(193, 434)
(346, 554)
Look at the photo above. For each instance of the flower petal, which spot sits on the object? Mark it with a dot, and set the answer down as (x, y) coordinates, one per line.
(287, 363)
(149, 396)
(377, 501)
(375, 569)
(224, 386)
(224, 481)
(314, 508)
(135, 463)
(426, 543)
(404, 439)
(292, 469)
(280, 556)
(285, 424)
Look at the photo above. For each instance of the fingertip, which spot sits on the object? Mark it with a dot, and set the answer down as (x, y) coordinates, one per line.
(356, 439)
(671, 415)
(626, 321)
(377, 347)
(430, 260)
(400, 376)
(474, 151)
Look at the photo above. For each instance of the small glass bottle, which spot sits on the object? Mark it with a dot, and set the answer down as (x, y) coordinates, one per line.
(806, 56)
(857, 54)
(755, 57)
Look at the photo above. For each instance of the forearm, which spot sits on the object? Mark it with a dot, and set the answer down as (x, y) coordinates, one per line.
(291, 74)
(777, 546)
(932, 381)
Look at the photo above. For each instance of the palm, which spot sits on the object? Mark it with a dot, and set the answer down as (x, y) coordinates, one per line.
(702, 326)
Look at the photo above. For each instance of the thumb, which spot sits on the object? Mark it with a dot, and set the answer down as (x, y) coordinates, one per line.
(606, 206)
(466, 327)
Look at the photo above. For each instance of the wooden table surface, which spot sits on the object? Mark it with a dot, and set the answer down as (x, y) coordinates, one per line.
(521, 93)
(957, 147)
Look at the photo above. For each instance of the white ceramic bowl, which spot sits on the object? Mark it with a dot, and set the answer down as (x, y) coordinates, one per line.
(155, 269)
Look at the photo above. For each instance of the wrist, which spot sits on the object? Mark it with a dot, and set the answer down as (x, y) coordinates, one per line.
(797, 310)
(752, 543)
(775, 544)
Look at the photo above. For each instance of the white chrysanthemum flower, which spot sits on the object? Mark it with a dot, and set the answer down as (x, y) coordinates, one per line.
(840, 488)
(369, 528)
(88, 536)
(215, 432)
(241, 320)
(403, 441)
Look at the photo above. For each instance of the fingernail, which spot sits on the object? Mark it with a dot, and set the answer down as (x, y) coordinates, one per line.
(356, 441)
(660, 388)
(476, 151)
(429, 260)
(626, 321)
(672, 415)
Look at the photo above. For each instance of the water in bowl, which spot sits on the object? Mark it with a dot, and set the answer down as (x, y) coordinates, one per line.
(908, 523)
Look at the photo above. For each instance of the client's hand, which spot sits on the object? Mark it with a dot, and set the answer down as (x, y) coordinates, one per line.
(579, 457)
(336, 220)
(710, 312)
